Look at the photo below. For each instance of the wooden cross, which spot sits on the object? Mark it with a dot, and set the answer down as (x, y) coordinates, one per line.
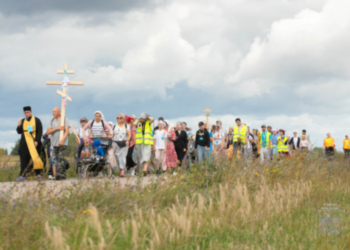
(76, 135)
(64, 93)
(207, 111)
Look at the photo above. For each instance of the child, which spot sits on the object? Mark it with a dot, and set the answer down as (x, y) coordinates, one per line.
(191, 147)
(160, 142)
(87, 149)
(100, 152)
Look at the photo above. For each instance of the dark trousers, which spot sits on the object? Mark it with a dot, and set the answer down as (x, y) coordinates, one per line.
(25, 168)
(329, 151)
(180, 155)
(347, 153)
(129, 161)
(25, 159)
(238, 146)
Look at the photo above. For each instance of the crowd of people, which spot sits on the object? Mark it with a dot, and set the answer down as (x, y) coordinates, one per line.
(140, 144)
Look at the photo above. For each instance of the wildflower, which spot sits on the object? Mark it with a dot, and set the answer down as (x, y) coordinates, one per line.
(84, 212)
(256, 174)
(37, 204)
(273, 171)
(21, 178)
(68, 211)
(17, 179)
(39, 175)
(266, 170)
(4, 166)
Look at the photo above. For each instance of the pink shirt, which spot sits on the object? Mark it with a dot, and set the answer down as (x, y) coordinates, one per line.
(132, 141)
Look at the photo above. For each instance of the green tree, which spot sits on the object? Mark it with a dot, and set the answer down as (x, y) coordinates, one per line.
(14, 150)
(2, 151)
(6, 152)
(72, 145)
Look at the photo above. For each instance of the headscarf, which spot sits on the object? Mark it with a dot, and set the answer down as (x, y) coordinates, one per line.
(143, 116)
(88, 139)
(170, 125)
(99, 112)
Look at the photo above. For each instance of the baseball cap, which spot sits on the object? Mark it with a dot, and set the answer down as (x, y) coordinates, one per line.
(200, 124)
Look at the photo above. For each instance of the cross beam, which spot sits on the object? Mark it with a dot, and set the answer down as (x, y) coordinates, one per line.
(63, 93)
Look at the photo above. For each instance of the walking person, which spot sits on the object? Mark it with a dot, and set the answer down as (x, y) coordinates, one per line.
(180, 143)
(248, 151)
(265, 145)
(171, 156)
(294, 142)
(328, 146)
(255, 143)
(98, 127)
(31, 151)
(59, 145)
(160, 143)
(121, 140)
(219, 142)
(202, 143)
(346, 147)
(282, 144)
(239, 137)
(304, 145)
(274, 137)
(130, 164)
(144, 140)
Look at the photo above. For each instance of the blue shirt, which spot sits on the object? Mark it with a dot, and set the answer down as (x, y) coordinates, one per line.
(274, 138)
(263, 139)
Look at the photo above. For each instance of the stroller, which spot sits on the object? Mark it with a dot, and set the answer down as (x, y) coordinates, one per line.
(92, 166)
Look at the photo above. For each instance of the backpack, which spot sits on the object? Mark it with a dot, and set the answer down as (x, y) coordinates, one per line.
(103, 124)
(126, 126)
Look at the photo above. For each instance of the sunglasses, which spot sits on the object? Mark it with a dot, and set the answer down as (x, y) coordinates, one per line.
(119, 118)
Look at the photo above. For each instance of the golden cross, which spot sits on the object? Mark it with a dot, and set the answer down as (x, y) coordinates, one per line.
(64, 92)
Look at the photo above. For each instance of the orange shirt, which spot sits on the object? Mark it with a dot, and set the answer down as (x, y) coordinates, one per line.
(329, 142)
(346, 144)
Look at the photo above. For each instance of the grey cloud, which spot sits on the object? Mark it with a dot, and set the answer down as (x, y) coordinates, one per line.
(31, 7)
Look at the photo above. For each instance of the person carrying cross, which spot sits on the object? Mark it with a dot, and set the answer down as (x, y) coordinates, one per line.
(31, 150)
(59, 144)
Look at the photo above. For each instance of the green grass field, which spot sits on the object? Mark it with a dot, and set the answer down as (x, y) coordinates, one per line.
(234, 207)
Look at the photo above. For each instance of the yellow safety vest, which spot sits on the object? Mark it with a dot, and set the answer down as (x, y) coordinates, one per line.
(239, 134)
(268, 135)
(147, 137)
(281, 147)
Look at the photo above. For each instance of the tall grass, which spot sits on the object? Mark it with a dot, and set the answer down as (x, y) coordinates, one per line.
(236, 206)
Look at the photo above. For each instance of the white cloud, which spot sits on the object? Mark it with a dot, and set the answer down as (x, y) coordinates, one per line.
(201, 42)
(308, 51)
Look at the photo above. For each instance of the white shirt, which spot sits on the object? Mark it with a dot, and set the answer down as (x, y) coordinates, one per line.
(120, 133)
(249, 145)
(160, 136)
(218, 137)
(295, 140)
(304, 144)
(80, 133)
(97, 129)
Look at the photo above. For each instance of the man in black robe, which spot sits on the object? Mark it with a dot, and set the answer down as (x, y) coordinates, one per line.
(23, 150)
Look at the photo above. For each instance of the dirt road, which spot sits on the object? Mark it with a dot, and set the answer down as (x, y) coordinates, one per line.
(18, 189)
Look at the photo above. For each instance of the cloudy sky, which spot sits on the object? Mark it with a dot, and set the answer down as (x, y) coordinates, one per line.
(279, 62)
